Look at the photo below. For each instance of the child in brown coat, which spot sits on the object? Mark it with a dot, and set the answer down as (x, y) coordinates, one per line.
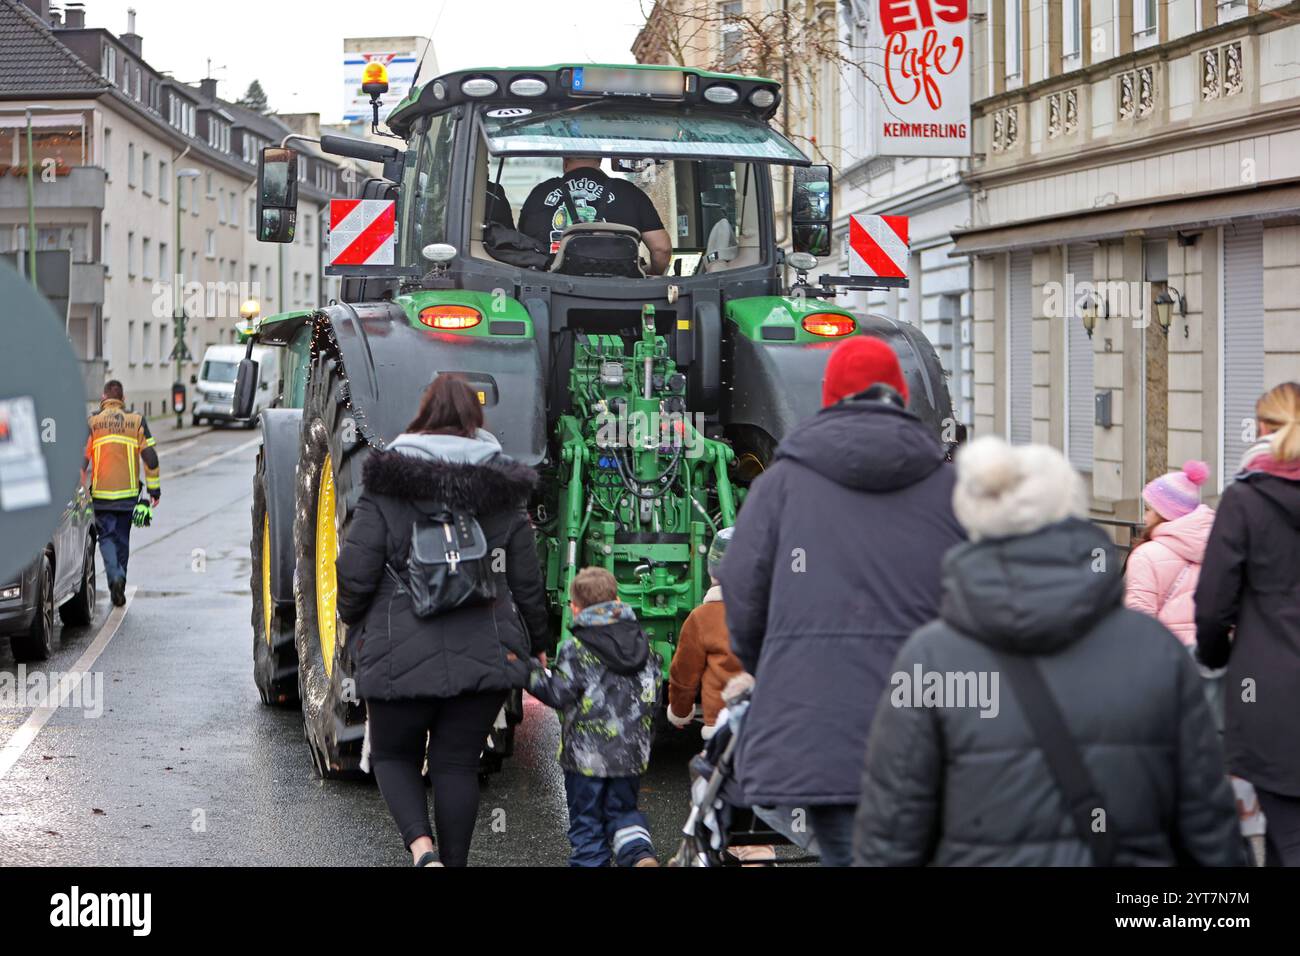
(703, 662)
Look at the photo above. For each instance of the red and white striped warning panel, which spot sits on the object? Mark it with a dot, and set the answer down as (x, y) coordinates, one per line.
(361, 232)
(878, 246)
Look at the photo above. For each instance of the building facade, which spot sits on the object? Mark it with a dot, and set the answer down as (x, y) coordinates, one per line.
(144, 179)
(1135, 230)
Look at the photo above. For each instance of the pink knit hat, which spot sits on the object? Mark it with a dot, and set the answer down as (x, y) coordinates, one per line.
(1177, 493)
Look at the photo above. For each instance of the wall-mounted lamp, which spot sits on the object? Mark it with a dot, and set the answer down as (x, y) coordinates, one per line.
(1093, 307)
(1164, 308)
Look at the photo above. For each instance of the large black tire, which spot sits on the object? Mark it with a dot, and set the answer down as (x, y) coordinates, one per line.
(37, 642)
(275, 653)
(333, 717)
(79, 610)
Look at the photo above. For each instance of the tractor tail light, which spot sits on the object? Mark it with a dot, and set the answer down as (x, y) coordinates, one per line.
(829, 324)
(450, 318)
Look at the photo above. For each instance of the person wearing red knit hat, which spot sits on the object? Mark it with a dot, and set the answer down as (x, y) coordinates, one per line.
(856, 365)
(859, 496)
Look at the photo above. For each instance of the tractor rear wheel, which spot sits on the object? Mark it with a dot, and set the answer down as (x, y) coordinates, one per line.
(333, 718)
(275, 655)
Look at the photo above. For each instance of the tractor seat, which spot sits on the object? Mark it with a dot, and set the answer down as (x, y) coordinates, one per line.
(596, 249)
(721, 249)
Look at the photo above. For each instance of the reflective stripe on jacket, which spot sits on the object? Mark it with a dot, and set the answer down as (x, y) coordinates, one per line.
(118, 439)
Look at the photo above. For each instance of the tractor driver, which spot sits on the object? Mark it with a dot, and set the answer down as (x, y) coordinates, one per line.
(596, 197)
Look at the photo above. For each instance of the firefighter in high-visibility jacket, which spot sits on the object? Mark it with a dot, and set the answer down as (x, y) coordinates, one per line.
(120, 451)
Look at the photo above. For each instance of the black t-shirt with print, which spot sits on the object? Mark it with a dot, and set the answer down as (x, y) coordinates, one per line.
(597, 198)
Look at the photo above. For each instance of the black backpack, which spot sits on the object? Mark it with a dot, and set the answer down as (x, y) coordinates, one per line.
(515, 248)
(447, 566)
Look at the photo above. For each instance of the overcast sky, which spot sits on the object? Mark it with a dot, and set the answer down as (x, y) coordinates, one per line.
(296, 49)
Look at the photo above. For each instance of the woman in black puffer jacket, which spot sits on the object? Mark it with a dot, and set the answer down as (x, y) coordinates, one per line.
(965, 782)
(444, 676)
(1248, 617)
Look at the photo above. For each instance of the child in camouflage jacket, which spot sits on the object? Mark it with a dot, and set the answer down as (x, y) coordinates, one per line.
(605, 686)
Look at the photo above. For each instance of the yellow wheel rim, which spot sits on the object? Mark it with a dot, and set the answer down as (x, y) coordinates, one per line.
(327, 549)
(266, 577)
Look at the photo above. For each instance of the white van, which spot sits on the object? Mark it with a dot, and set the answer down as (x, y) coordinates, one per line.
(215, 382)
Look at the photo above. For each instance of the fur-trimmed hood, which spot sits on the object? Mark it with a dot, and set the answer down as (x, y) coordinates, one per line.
(497, 483)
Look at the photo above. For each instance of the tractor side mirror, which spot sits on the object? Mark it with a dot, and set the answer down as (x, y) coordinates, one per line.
(811, 210)
(277, 194)
(245, 388)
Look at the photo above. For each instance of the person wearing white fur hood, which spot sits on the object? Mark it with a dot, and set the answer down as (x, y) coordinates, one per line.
(1039, 722)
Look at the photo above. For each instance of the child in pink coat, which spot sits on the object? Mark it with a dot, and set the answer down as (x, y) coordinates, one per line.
(1163, 570)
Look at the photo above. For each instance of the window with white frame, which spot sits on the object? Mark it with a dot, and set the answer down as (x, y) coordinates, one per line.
(731, 37)
(130, 165)
(1231, 10)
(132, 343)
(252, 214)
(164, 264)
(106, 153)
(1145, 23)
(221, 206)
(210, 243)
(1013, 36)
(106, 251)
(130, 253)
(146, 341)
(146, 258)
(146, 185)
(164, 191)
(234, 209)
(108, 64)
(1071, 30)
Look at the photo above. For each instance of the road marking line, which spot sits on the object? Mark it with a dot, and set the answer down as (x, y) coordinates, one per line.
(213, 459)
(17, 745)
(167, 450)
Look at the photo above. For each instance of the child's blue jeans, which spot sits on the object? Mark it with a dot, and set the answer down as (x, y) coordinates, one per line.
(602, 816)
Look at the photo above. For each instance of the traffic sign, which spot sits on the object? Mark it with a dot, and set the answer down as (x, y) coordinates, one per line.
(878, 246)
(362, 232)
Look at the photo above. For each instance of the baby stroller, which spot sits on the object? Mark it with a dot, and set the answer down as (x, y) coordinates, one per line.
(721, 818)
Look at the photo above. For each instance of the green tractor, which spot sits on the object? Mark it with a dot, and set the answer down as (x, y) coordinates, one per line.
(646, 402)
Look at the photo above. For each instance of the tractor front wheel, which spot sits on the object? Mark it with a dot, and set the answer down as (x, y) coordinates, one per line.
(275, 655)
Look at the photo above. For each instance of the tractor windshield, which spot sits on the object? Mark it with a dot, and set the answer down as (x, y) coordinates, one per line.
(612, 130)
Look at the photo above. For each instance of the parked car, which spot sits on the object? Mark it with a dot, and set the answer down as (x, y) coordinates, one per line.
(61, 577)
(215, 383)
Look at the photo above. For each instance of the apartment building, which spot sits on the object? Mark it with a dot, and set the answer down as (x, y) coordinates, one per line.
(1135, 229)
(128, 160)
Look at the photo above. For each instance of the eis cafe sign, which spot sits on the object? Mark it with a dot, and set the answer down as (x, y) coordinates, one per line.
(920, 65)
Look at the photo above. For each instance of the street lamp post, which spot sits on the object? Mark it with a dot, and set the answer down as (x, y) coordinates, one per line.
(178, 308)
(31, 194)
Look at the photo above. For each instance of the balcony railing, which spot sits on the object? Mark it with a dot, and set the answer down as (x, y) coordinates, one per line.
(82, 187)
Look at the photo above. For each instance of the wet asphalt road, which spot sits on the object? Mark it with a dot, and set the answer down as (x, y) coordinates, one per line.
(186, 766)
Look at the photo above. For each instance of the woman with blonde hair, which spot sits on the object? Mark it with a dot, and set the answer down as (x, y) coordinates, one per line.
(1248, 617)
